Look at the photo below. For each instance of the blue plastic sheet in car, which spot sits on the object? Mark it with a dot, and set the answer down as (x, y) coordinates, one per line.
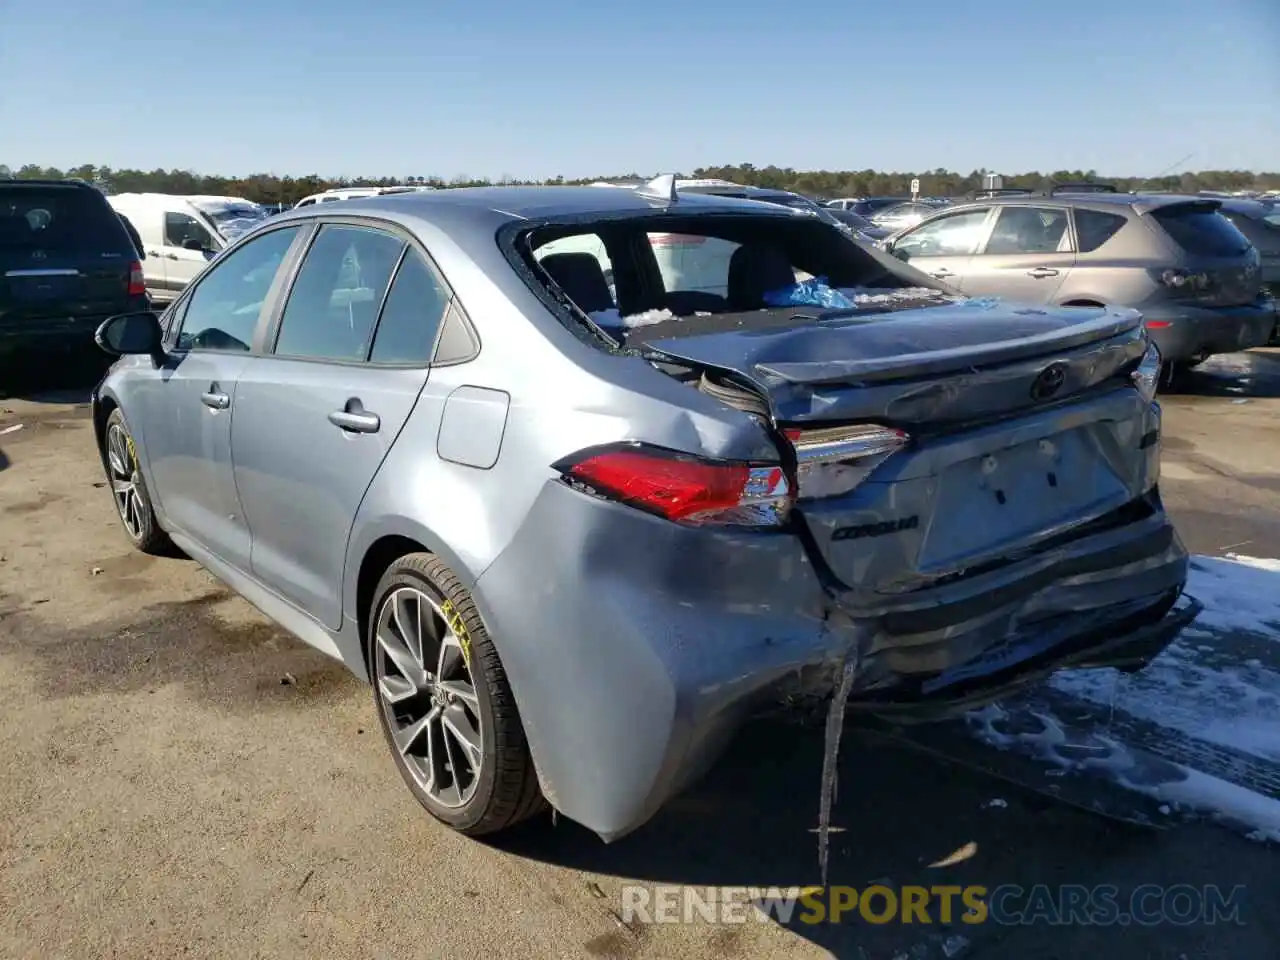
(813, 292)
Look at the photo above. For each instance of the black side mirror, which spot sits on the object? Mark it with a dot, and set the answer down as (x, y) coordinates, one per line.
(901, 254)
(131, 334)
(191, 243)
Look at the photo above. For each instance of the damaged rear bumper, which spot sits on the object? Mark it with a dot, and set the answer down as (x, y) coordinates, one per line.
(636, 647)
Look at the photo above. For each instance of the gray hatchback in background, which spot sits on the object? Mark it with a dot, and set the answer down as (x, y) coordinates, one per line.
(574, 542)
(1193, 275)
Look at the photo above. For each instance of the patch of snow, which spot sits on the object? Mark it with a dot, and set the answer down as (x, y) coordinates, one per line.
(647, 318)
(882, 296)
(612, 318)
(1182, 787)
(1201, 687)
(1196, 686)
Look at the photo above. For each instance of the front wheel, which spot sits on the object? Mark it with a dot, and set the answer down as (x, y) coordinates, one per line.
(444, 703)
(129, 490)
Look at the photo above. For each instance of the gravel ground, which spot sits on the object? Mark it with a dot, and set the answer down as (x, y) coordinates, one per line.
(180, 778)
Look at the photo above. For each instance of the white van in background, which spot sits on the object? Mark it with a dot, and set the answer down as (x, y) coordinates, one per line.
(181, 234)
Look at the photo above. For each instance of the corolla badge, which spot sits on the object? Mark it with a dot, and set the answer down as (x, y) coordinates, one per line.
(1050, 380)
(37, 255)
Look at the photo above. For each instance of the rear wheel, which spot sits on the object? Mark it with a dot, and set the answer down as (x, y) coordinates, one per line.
(444, 702)
(129, 490)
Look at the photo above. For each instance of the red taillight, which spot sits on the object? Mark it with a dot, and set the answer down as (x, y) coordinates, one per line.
(1157, 324)
(137, 285)
(682, 487)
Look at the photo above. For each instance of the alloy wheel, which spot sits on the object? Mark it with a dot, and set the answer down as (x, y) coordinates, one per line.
(428, 696)
(123, 466)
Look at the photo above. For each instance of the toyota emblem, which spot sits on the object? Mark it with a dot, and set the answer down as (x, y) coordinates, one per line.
(1049, 382)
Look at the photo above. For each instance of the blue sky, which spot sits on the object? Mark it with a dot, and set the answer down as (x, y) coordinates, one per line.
(488, 88)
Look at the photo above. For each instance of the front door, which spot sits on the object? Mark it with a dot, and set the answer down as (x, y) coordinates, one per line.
(943, 247)
(187, 411)
(315, 419)
(1026, 258)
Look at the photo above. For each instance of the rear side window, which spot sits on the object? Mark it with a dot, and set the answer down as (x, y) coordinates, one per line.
(411, 316)
(69, 221)
(336, 296)
(1021, 229)
(1094, 228)
(1201, 230)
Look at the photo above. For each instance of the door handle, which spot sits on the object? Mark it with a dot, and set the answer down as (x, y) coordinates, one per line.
(154, 253)
(942, 273)
(171, 256)
(354, 418)
(214, 398)
(1041, 272)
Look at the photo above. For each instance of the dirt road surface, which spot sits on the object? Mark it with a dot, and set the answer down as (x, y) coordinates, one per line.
(180, 778)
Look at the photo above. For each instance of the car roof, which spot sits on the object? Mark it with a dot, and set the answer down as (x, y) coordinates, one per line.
(509, 204)
(1257, 209)
(1141, 202)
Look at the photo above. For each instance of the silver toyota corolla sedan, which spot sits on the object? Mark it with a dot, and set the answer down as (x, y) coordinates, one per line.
(572, 541)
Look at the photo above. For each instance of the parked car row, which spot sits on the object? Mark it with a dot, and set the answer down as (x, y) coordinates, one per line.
(573, 553)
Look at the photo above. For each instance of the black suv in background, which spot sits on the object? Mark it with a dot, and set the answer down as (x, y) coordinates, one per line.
(67, 262)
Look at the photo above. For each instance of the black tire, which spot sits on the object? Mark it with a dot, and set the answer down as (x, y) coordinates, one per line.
(506, 788)
(138, 518)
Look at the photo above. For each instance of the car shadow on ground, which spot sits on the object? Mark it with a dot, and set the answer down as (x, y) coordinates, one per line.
(751, 823)
(1253, 374)
(67, 380)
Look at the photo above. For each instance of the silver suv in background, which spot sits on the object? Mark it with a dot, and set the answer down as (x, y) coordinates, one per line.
(1195, 277)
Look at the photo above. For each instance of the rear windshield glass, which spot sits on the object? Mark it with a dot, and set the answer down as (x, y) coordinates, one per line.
(1201, 230)
(640, 271)
(59, 220)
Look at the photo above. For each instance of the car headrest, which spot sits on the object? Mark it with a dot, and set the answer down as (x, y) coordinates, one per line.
(581, 277)
(755, 271)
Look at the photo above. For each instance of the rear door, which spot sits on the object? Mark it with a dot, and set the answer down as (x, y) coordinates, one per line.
(66, 261)
(944, 246)
(315, 418)
(1026, 257)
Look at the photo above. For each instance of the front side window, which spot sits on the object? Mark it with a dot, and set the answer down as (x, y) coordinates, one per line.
(957, 235)
(334, 302)
(1020, 229)
(222, 312)
(182, 230)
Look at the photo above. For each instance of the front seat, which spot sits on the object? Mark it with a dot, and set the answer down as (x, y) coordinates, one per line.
(755, 271)
(581, 277)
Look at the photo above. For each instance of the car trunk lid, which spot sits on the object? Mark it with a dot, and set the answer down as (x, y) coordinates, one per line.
(961, 361)
(1224, 268)
(1015, 426)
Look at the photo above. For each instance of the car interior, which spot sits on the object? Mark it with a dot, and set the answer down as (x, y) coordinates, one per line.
(767, 254)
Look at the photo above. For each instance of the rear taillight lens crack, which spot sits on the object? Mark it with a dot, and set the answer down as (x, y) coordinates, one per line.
(832, 461)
